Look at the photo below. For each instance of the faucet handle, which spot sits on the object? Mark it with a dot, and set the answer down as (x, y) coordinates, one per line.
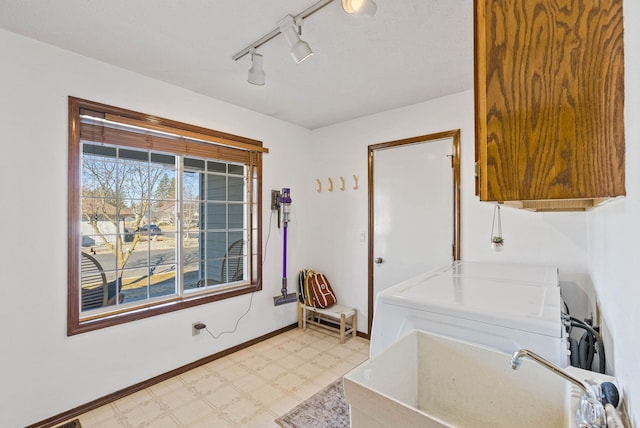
(590, 413)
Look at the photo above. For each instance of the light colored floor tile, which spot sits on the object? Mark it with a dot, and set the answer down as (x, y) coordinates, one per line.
(324, 378)
(249, 388)
(192, 412)
(213, 420)
(283, 404)
(266, 395)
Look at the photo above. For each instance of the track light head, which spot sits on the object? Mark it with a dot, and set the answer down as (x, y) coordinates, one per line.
(360, 6)
(256, 75)
(300, 49)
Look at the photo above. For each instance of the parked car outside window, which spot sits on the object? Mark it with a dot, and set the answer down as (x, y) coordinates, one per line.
(155, 230)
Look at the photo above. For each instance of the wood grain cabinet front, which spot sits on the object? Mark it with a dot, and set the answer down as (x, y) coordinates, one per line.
(549, 102)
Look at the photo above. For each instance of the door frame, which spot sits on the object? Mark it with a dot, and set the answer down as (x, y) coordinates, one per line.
(455, 165)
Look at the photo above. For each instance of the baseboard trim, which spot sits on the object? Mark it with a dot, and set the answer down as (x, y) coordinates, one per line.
(92, 405)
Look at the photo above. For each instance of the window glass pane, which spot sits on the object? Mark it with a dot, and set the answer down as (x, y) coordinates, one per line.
(101, 247)
(216, 167)
(214, 271)
(94, 285)
(160, 158)
(99, 177)
(194, 164)
(236, 189)
(163, 249)
(192, 261)
(135, 283)
(164, 184)
(236, 236)
(216, 245)
(163, 282)
(191, 184)
(132, 180)
(191, 215)
(234, 260)
(133, 155)
(211, 255)
(192, 210)
(216, 216)
(236, 216)
(98, 150)
(97, 280)
(216, 187)
(192, 282)
(236, 169)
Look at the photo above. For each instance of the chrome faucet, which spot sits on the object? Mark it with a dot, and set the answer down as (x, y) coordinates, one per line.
(590, 412)
(516, 360)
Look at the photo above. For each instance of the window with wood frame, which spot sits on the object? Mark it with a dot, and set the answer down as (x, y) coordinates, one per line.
(162, 215)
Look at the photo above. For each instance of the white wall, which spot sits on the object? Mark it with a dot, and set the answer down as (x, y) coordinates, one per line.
(43, 371)
(614, 237)
(546, 238)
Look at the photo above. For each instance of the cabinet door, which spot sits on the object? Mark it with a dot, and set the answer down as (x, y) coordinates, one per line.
(549, 99)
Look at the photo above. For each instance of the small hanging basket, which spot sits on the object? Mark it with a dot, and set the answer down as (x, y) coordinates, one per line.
(497, 241)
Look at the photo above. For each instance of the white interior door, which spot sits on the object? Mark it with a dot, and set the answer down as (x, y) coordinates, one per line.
(414, 215)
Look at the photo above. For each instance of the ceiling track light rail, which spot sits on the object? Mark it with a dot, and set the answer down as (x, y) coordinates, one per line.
(291, 28)
(297, 19)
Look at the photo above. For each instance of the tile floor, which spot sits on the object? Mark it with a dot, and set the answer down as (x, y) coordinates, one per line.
(249, 388)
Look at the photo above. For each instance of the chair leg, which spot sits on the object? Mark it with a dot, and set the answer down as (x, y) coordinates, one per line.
(354, 324)
(304, 317)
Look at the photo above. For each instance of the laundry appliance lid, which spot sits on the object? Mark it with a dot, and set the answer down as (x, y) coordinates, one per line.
(544, 275)
(521, 305)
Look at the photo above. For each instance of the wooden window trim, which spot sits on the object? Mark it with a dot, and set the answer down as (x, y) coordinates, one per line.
(74, 323)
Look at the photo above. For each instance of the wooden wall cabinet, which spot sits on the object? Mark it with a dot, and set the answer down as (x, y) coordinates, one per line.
(549, 102)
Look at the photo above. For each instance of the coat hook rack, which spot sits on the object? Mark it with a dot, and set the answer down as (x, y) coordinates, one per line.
(342, 183)
(319, 185)
(355, 179)
(330, 185)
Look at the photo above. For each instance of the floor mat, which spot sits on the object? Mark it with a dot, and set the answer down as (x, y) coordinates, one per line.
(326, 409)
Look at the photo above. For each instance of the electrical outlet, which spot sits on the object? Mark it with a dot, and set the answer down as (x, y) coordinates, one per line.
(194, 328)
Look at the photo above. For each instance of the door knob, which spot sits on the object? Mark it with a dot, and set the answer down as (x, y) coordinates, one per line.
(377, 260)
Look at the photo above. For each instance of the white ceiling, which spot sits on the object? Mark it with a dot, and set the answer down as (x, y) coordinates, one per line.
(410, 51)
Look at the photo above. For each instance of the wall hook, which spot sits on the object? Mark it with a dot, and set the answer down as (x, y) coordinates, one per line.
(319, 185)
(355, 179)
(342, 183)
(330, 185)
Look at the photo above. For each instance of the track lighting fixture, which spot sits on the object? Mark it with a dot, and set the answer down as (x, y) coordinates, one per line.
(256, 74)
(290, 27)
(360, 6)
(300, 50)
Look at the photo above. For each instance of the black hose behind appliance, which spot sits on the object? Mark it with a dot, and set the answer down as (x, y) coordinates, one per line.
(583, 351)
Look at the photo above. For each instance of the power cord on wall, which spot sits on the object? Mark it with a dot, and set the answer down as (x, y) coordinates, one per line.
(264, 258)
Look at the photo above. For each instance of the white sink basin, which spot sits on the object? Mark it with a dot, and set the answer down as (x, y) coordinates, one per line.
(426, 380)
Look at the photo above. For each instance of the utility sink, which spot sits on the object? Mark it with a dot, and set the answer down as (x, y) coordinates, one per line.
(426, 380)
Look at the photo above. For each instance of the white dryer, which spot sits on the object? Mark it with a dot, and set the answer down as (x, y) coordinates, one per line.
(504, 306)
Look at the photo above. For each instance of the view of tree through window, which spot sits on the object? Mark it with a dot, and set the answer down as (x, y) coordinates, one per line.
(158, 226)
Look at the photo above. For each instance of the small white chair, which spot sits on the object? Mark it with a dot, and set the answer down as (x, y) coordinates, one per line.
(336, 318)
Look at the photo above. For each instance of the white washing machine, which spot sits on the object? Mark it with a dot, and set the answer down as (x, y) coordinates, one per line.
(504, 306)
